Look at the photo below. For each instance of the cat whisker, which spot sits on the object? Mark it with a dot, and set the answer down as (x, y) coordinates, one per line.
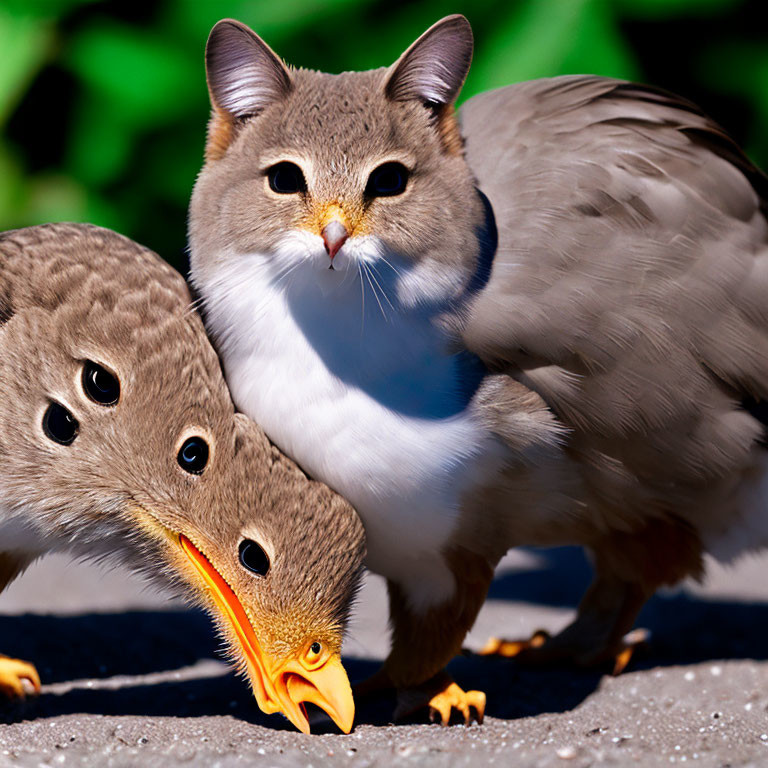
(390, 265)
(283, 276)
(362, 296)
(347, 273)
(373, 290)
(375, 272)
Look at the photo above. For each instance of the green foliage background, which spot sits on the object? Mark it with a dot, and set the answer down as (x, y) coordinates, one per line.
(103, 104)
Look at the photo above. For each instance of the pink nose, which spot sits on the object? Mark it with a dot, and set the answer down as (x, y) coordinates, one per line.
(334, 236)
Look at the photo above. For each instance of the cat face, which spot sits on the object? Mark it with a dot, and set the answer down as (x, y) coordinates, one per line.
(329, 180)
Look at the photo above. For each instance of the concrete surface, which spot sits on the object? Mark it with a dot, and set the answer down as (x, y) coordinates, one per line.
(132, 678)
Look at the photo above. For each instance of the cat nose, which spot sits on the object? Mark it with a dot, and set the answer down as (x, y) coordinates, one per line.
(334, 236)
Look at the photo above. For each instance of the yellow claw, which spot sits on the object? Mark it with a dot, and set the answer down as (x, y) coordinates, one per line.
(12, 674)
(511, 648)
(452, 697)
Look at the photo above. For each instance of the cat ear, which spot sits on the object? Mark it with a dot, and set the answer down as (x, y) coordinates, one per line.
(433, 69)
(244, 74)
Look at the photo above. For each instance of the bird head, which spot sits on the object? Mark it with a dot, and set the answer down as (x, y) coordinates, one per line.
(118, 437)
(279, 582)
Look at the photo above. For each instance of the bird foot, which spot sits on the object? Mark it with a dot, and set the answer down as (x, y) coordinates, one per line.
(442, 697)
(17, 678)
(441, 705)
(508, 649)
(629, 644)
(543, 649)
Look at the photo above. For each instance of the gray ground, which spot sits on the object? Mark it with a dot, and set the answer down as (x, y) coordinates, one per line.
(132, 679)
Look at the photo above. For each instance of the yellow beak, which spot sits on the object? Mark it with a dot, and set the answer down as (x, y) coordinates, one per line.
(279, 685)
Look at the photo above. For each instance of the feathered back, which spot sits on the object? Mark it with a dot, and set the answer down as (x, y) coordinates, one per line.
(630, 285)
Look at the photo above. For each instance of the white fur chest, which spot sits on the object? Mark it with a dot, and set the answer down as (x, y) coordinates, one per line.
(321, 378)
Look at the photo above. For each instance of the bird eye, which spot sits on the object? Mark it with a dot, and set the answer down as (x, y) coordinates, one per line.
(313, 656)
(286, 179)
(59, 424)
(253, 557)
(100, 385)
(193, 455)
(387, 180)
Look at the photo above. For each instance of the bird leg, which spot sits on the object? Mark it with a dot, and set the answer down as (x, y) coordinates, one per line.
(629, 568)
(424, 642)
(599, 634)
(14, 672)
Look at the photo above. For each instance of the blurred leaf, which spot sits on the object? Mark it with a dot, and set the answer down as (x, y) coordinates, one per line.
(43, 9)
(101, 142)
(598, 48)
(11, 190)
(740, 65)
(143, 75)
(173, 163)
(742, 68)
(24, 43)
(56, 198)
(655, 9)
(272, 20)
(543, 38)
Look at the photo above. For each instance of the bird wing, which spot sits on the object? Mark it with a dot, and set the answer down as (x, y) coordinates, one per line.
(630, 284)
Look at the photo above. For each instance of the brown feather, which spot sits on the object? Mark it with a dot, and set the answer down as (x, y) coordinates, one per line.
(84, 293)
(627, 289)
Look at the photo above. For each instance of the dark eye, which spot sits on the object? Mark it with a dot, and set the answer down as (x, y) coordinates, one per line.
(59, 424)
(193, 455)
(100, 385)
(253, 557)
(286, 178)
(387, 180)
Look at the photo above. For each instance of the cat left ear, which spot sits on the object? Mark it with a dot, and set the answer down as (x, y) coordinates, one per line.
(244, 74)
(434, 68)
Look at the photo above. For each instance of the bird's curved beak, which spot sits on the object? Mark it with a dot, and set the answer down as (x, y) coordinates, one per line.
(279, 685)
(326, 687)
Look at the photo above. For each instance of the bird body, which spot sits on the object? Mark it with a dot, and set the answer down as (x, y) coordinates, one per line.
(544, 324)
(403, 454)
(630, 282)
(118, 438)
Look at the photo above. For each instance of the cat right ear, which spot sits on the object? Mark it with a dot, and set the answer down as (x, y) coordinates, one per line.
(244, 74)
(434, 68)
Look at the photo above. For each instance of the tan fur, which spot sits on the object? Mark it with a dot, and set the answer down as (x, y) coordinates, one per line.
(343, 126)
(450, 133)
(221, 131)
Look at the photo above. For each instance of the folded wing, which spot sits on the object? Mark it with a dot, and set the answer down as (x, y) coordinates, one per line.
(630, 285)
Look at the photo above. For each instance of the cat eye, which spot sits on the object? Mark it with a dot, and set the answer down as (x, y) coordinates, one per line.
(100, 385)
(387, 180)
(286, 179)
(193, 455)
(59, 424)
(253, 557)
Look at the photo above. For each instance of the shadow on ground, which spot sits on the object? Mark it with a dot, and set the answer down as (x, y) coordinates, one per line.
(684, 630)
